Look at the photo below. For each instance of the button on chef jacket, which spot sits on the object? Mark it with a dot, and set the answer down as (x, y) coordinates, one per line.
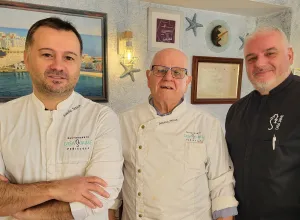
(263, 135)
(80, 138)
(176, 167)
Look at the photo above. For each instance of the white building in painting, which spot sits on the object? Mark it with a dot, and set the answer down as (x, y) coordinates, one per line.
(13, 47)
(11, 40)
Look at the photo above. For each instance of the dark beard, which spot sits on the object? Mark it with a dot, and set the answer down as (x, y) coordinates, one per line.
(47, 89)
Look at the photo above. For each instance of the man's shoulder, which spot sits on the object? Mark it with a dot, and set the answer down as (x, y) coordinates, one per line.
(15, 104)
(134, 110)
(192, 110)
(88, 103)
(200, 115)
(242, 101)
(296, 81)
(92, 108)
(296, 78)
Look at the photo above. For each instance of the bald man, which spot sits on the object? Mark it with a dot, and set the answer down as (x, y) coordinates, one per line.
(263, 131)
(176, 160)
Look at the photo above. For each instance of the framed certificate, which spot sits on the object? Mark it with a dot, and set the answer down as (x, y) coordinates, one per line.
(216, 80)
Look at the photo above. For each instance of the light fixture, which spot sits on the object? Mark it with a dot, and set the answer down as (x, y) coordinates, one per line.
(125, 50)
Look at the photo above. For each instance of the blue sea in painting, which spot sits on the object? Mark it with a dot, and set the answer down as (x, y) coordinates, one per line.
(19, 84)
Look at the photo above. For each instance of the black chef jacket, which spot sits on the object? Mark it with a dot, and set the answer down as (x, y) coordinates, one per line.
(263, 137)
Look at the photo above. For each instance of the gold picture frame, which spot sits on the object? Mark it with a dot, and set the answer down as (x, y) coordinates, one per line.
(216, 80)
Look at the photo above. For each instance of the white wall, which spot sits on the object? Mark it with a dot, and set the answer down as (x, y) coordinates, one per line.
(282, 20)
(132, 15)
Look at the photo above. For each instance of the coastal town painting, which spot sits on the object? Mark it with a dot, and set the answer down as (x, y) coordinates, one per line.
(15, 80)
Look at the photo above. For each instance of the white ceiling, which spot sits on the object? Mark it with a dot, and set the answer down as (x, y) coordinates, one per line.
(239, 7)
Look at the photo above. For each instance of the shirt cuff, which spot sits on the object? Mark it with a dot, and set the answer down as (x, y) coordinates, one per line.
(223, 213)
(223, 202)
(78, 211)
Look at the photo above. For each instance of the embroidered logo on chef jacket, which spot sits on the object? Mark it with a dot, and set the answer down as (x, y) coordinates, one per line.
(194, 137)
(81, 143)
(275, 122)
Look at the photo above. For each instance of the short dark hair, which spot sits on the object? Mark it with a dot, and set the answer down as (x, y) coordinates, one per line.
(55, 23)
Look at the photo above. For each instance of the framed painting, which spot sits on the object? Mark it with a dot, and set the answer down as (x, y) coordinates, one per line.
(216, 80)
(92, 26)
(165, 29)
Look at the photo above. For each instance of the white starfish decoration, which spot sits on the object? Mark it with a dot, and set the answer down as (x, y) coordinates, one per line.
(129, 71)
(193, 24)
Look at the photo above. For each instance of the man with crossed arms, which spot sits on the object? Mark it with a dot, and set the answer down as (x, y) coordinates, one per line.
(60, 151)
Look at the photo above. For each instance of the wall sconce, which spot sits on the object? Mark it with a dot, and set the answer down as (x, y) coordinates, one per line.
(125, 49)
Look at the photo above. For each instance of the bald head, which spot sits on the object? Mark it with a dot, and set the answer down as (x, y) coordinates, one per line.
(166, 88)
(170, 57)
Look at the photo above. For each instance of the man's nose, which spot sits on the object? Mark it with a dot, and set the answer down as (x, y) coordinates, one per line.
(261, 61)
(57, 64)
(168, 75)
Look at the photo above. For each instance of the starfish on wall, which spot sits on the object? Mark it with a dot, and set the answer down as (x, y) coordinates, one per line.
(243, 41)
(128, 71)
(193, 24)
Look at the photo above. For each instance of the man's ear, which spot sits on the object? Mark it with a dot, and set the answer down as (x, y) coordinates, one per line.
(148, 73)
(189, 79)
(26, 57)
(291, 55)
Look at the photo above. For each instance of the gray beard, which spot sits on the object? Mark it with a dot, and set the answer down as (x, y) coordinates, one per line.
(264, 87)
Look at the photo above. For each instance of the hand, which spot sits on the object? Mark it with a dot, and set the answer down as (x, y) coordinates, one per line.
(20, 215)
(25, 215)
(3, 178)
(111, 214)
(226, 218)
(78, 189)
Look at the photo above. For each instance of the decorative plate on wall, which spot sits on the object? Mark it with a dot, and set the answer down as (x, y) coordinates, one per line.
(218, 36)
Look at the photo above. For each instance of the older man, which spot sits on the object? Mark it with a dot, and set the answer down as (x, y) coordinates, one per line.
(176, 160)
(57, 147)
(262, 131)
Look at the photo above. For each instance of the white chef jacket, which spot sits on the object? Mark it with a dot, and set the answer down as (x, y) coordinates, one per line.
(176, 167)
(80, 138)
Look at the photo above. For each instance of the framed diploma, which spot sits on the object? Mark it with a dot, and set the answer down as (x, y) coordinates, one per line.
(216, 80)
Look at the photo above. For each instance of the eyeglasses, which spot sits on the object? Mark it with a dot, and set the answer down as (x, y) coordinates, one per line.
(176, 72)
